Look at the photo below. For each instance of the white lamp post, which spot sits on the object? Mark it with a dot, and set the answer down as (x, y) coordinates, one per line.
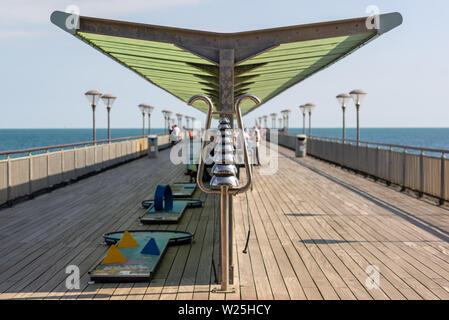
(273, 115)
(309, 107)
(143, 109)
(146, 108)
(343, 99)
(167, 115)
(179, 117)
(108, 100)
(149, 110)
(93, 96)
(303, 111)
(357, 96)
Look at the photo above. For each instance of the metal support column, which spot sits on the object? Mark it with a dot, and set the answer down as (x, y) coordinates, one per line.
(226, 99)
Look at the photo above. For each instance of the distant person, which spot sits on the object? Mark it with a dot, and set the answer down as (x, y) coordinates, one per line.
(175, 135)
(257, 144)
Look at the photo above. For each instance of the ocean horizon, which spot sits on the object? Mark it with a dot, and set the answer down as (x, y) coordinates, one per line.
(18, 139)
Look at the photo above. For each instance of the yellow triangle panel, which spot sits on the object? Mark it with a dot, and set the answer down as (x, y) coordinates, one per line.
(113, 256)
(127, 241)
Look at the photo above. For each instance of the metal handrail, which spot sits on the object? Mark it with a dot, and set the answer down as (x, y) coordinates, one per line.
(62, 146)
(381, 144)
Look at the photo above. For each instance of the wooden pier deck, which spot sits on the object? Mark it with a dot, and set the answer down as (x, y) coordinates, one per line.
(316, 229)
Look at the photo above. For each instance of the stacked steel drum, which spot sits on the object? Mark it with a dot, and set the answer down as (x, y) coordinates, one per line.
(224, 170)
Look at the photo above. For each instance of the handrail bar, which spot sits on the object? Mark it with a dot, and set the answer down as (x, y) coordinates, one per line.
(60, 146)
(382, 144)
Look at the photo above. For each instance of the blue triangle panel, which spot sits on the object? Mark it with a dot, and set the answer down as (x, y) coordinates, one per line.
(151, 248)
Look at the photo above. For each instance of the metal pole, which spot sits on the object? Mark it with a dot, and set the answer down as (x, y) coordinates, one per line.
(310, 123)
(377, 163)
(344, 125)
(421, 174)
(143, 123)
(390, 165)
(443, 176)
(94, 138)
(404, 169)
(304, 123)
(149, 124)
(109, 124)
(226, 103)
(358, 124)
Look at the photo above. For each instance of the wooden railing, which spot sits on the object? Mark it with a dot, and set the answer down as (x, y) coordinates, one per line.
(45, 167)
(425, 170)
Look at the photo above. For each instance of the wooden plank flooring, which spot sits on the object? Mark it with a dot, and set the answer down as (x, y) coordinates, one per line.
(315, 229)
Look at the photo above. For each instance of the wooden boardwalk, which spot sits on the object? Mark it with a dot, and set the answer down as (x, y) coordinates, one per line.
(315, 229)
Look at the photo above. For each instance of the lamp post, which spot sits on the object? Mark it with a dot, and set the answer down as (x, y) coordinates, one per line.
(357, 96)
(179, 117)
(93, 96)
(187, 122)
(280, 123)
(108, 100)
(147, 109)
(343, 101)
(273, 115)
(169, 119)
(286, 116)
(303, 111)
(167, 115)
(143, 109)
(309, 107)
(265, 122)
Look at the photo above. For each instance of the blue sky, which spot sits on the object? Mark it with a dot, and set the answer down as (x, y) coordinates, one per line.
(45, 71)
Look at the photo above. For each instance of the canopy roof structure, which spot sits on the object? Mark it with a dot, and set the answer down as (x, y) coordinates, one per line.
(224, 66)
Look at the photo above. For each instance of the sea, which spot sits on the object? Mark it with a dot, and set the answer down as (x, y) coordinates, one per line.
(17, 139)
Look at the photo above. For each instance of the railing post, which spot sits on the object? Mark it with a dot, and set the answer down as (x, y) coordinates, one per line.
(377, 169)
(442, 177)
(404, 170)
(358, 156)
(48, 168)
(30, 173)
(62, 165)
(421, 174)
(95, 157)
(390, 162)
(74, 162)
(8, 178)
(365, 165)
(342, 154)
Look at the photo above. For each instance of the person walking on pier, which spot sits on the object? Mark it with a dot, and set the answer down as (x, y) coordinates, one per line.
(175, 135)
(257, 144)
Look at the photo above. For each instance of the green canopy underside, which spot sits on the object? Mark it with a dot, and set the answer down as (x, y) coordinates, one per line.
(183, 74)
